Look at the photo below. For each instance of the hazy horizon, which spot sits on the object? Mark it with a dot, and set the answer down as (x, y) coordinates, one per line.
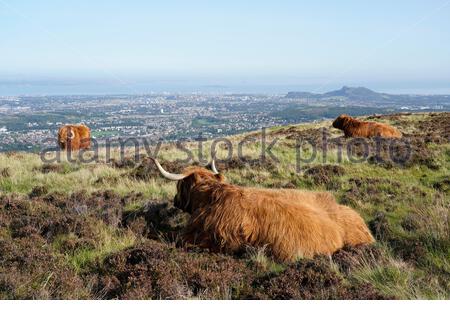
(45, 86)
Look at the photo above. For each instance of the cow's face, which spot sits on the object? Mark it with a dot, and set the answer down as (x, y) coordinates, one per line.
(65, 136)
(188, 195)
(194, 185)
(182, 199)
(341, 121)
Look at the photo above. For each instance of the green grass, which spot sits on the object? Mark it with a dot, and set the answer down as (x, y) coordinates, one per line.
(108, 241)
(398, 279)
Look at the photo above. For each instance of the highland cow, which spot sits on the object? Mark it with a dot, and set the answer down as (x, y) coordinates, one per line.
(74, 137)
(291, 224)
(366, 129)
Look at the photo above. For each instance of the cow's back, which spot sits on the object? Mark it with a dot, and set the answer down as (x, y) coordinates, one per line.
(376, 129)
(85, 136)
(294, 229)
(352, 227)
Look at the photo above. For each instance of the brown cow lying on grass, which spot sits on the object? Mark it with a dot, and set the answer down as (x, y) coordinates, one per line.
(366, 129)
(290, 223)
(74, 137)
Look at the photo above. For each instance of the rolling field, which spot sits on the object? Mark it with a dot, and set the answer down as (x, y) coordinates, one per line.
(109, 230)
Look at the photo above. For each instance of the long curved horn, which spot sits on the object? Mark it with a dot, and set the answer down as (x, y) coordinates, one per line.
(168, 175)
(213, 167)
(72, 134)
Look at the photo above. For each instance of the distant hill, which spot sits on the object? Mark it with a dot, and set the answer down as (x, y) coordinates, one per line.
(355, 93)
(365, 95)
(352, 93)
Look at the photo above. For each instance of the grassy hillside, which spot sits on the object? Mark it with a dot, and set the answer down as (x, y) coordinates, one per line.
(109, 230)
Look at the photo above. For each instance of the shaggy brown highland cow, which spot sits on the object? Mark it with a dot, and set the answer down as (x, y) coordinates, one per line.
(74, 137)
(289, 223)
(366, 129)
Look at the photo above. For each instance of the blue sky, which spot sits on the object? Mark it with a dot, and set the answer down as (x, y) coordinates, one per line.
(314, 45)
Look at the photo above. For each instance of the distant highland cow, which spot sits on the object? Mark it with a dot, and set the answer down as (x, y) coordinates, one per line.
(290, 223)
(366, 129)
(74, 137)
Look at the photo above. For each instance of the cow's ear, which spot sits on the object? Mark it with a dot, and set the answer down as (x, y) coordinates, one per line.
(220, 177)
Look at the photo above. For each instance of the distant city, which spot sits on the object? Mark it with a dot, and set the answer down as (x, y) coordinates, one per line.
(28, 123)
